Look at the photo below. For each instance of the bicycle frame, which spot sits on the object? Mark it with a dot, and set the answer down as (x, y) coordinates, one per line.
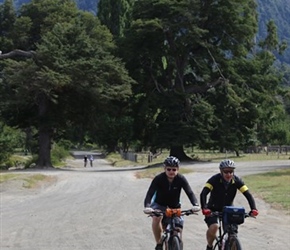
(171, 230)
(223, 235)
(225, 232)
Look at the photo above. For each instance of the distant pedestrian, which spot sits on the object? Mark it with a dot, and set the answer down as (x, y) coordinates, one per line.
(91, 160)
(85, 160)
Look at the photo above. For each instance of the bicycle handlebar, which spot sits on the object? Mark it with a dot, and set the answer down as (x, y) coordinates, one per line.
(220, 214)
(172, 212)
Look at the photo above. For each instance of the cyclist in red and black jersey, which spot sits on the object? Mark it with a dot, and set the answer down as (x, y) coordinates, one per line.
(222, 188)
(164, 192)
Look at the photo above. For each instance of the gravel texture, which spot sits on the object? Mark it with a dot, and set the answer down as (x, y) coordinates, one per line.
(101, 208)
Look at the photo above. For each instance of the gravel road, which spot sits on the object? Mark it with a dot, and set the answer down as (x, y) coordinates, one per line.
(99, 208)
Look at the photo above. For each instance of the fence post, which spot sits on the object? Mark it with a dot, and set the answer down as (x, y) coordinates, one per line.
(150, 157)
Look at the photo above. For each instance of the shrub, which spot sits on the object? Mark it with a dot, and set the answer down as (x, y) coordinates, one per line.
(58, 154)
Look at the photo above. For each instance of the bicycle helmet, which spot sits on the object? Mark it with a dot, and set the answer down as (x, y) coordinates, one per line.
(227, 164)
(171, 161)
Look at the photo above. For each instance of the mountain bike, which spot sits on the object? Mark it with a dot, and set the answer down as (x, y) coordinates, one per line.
(228, 220)
(171, 235)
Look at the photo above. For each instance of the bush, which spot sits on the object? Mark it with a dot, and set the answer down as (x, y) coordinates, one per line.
(6, 165)
(66, 144)
(31, 160)
(58, 154)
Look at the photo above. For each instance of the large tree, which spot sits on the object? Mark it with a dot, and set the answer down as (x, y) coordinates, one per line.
(250, 102)
(68, 61)
(176, 50)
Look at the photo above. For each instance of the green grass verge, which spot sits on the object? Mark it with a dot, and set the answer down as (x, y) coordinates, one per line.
(273, 187)
(217, 157)
(198, 155)
(7, 177)
(29, 181)
(117, 161)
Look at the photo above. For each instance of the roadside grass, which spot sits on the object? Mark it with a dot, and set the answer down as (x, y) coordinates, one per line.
(6, 177)
(217, 157)
(117, 161)
(273, 187)
(214, 156)
(197, 155)
(203, 156)
(29, 181)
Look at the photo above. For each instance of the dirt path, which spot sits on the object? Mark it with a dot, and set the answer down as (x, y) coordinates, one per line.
(92, 209)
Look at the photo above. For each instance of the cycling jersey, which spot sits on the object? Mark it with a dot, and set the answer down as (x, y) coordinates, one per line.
(223, 194)
(167, 193)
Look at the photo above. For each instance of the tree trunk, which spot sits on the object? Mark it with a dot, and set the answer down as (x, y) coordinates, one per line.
(44, 141)
(237, 153)
(178, 152)
(44, 159)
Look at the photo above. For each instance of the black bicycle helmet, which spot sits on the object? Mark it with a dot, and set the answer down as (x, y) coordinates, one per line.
(171, 161)
(227, 164)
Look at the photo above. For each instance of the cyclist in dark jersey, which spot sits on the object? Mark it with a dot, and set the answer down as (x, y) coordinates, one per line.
(164, 192)
(222, 188)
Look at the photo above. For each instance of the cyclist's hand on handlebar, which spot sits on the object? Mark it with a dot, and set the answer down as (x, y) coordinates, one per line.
(195, 208)
(148, 210)
(254, 212)
(206, 212)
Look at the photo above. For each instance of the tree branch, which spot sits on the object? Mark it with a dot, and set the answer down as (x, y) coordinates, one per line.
(205, 87)
(18, 52)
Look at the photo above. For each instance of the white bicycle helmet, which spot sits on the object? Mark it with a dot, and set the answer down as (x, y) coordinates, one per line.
(171, 161)
(227, 164)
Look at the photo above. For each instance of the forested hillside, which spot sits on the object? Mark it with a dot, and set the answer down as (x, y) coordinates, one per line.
(278, 10)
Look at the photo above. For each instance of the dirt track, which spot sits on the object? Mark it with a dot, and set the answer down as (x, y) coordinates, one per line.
(96, 208)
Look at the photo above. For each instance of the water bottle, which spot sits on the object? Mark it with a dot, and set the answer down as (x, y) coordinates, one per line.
(224, 241)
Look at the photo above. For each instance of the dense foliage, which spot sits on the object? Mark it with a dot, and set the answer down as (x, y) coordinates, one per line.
(70, 77)
(278, 10)
(150, 73)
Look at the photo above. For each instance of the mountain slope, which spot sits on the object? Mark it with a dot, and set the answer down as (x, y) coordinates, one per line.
(278, 10)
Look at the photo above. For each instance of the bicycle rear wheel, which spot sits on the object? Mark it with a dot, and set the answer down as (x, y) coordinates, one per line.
(233, 243)
(174, 243)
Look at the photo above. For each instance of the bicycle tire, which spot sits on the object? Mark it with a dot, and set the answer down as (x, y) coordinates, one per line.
(174, 243)
(233, 243)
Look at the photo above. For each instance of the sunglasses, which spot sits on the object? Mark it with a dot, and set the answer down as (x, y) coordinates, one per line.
(228, 171)
(171, 169)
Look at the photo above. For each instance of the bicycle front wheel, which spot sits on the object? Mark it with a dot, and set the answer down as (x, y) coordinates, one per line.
(174, 243)
(233, 243)
(217, 245)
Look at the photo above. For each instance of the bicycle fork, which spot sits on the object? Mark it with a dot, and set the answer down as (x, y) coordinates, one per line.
(165, 236)
(223, 243)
